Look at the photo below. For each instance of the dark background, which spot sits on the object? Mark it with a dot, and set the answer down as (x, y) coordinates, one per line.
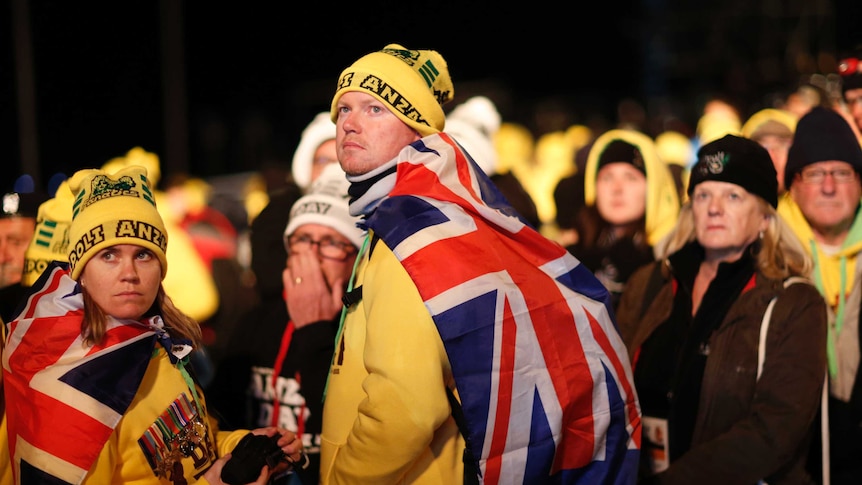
(218, 89)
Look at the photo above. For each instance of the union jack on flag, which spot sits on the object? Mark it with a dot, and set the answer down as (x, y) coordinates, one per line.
(543, 377)
(63, 399)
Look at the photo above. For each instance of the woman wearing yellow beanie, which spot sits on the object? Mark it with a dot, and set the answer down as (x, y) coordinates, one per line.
(96, 369)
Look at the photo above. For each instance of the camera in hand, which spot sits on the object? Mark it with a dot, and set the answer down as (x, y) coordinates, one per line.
(249, 456)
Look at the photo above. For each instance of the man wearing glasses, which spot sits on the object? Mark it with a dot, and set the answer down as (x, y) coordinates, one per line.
(279, 366)
(822, 207)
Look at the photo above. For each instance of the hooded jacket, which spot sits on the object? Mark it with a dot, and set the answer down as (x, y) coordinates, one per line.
(662, 203)
(614, 253)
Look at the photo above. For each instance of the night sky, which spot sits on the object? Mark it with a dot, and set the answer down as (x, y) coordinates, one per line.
(255, 74)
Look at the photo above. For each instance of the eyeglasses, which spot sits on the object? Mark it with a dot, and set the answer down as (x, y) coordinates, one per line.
(817, 176)
(328, 247)
(849, 66)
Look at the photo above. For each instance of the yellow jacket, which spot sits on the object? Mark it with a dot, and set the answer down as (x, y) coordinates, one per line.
(386, 418)
(838, 277)
(5, 461)
(123, 460)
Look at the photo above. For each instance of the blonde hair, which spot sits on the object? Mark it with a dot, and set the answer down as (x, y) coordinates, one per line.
(781, 253)
(177, 323)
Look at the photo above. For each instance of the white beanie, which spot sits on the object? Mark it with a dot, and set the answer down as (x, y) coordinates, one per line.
(326, 203)
(473, 124)
(318, 131)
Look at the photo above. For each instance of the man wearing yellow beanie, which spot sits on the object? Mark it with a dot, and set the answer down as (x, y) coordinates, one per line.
(470, 344)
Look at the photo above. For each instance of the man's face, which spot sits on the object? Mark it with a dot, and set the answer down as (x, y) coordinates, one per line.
(829, 203)
(15, 235)
(368, 135)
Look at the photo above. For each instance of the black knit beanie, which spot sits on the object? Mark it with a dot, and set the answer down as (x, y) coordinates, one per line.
(850, 69)
(739, 161)
(822, 135)
(621, 151)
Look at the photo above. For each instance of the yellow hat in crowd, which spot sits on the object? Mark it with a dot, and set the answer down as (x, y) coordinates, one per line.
(50, 241)
(413, 84)
(770, 121)
(112, 209)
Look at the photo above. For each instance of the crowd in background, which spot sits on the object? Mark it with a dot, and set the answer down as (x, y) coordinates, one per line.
(229, 252)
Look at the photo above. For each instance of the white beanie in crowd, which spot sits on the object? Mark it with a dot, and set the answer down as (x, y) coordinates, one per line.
(318, 131)
(473, 124)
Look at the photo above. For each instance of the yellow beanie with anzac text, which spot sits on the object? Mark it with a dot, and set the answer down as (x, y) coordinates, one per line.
(413, 84)
(112, 209)
(50, 241)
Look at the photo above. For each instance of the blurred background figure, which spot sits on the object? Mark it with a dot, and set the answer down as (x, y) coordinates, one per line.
(773, 129)
(631, 203)
(17, 227)
(676, 150)
(850, 70)
(212, 233)
(474, 124)
(279, 358)
(553, 160)
(49, 243)
(569, 191)
(17, 223)
(215, 239)
(718, 118)
(514, 145)
(315, 151)
(811, 91)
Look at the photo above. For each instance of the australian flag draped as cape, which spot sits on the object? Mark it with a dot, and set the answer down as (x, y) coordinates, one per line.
(64, 398)
(543, 376)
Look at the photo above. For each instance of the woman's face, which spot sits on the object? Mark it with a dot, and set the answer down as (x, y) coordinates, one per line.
(727, 219)
(123, 280)
(620, 193)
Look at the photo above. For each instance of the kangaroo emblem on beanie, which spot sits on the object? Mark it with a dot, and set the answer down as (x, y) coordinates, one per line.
(112, 209)
(413, 84)
(736, 160)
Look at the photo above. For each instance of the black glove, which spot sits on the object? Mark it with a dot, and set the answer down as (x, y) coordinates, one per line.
(250, 455)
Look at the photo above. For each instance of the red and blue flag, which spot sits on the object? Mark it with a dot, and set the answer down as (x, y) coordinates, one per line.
(64, 398)
(543, 377)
